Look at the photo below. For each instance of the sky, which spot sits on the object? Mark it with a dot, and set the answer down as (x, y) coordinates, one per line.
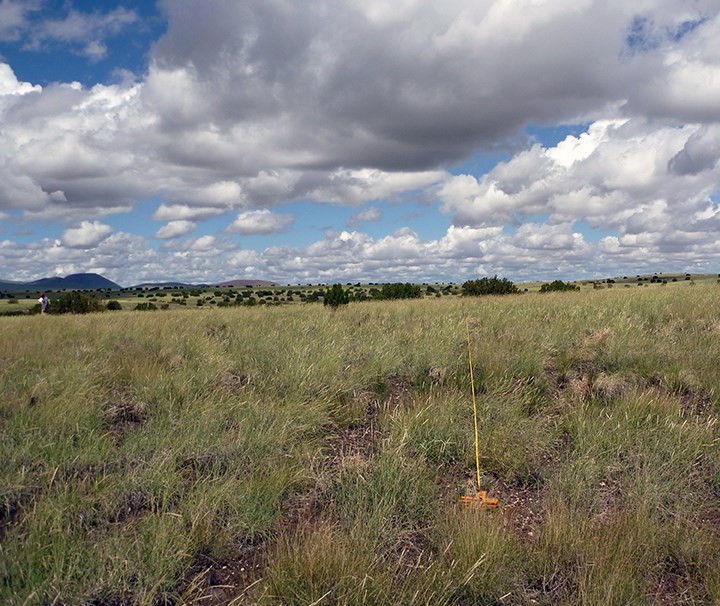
(323, 141)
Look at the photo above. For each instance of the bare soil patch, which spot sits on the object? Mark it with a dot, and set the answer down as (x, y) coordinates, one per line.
(123, 413)
(219, 581)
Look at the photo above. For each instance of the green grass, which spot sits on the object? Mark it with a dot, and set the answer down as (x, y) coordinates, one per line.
(294, 455)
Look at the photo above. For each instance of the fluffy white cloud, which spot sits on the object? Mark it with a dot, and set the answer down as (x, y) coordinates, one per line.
(177, 212)
(87, 235)
(533, 251)
(203, 244)
(646, 182)
(256, 222)
(9, 84)
(175, 229)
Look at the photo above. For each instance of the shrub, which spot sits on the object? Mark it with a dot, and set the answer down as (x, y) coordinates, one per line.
(145, 307)
(336, 296)
(113, 305)
(489, 286)
(75, 303)
(399, 291)
(557, 286)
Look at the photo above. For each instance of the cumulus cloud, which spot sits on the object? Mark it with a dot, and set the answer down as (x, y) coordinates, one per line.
(249, 106)
(10, 85)
(257, 222)
(87, 235)
(344, 106)
(175, 229)
(202, 244)
(177, 212)
(647, 183)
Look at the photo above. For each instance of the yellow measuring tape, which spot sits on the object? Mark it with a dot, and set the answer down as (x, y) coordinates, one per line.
(480, 500)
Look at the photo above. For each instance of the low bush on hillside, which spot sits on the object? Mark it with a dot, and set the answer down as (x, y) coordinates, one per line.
(489, 286)
(145, 307)
(559, 286)
(113, 306)
(76, 303)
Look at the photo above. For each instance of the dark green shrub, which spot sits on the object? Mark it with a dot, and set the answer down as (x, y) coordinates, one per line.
(399, 290)
(145, 307)
(336, 296)
(489, 286)
(558, 286)
(75, 303)
(113, 305)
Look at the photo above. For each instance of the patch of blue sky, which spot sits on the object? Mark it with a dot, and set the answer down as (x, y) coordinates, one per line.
(640, 35)
(138, 221)
(550, 136)
(422, 218)
(685, 28)
(44, 59)
(313, 220)
(23, 231)
(591, 234)
(643, 36)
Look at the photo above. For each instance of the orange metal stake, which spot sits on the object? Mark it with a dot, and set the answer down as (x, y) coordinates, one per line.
(480, 500)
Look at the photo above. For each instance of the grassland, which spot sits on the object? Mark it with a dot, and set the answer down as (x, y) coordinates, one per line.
(295, 455)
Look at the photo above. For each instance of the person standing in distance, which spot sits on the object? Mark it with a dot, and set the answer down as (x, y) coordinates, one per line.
(43, 300)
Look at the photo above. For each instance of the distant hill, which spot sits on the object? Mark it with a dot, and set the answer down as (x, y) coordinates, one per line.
(237, 283)
(71, 282)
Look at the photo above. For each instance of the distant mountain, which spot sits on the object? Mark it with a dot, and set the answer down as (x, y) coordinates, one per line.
(237, 283)
(71, 282)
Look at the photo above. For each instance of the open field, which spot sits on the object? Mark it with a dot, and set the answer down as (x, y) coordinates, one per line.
(295, 455)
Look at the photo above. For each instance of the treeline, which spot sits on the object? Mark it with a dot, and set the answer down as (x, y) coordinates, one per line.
(76, 302)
